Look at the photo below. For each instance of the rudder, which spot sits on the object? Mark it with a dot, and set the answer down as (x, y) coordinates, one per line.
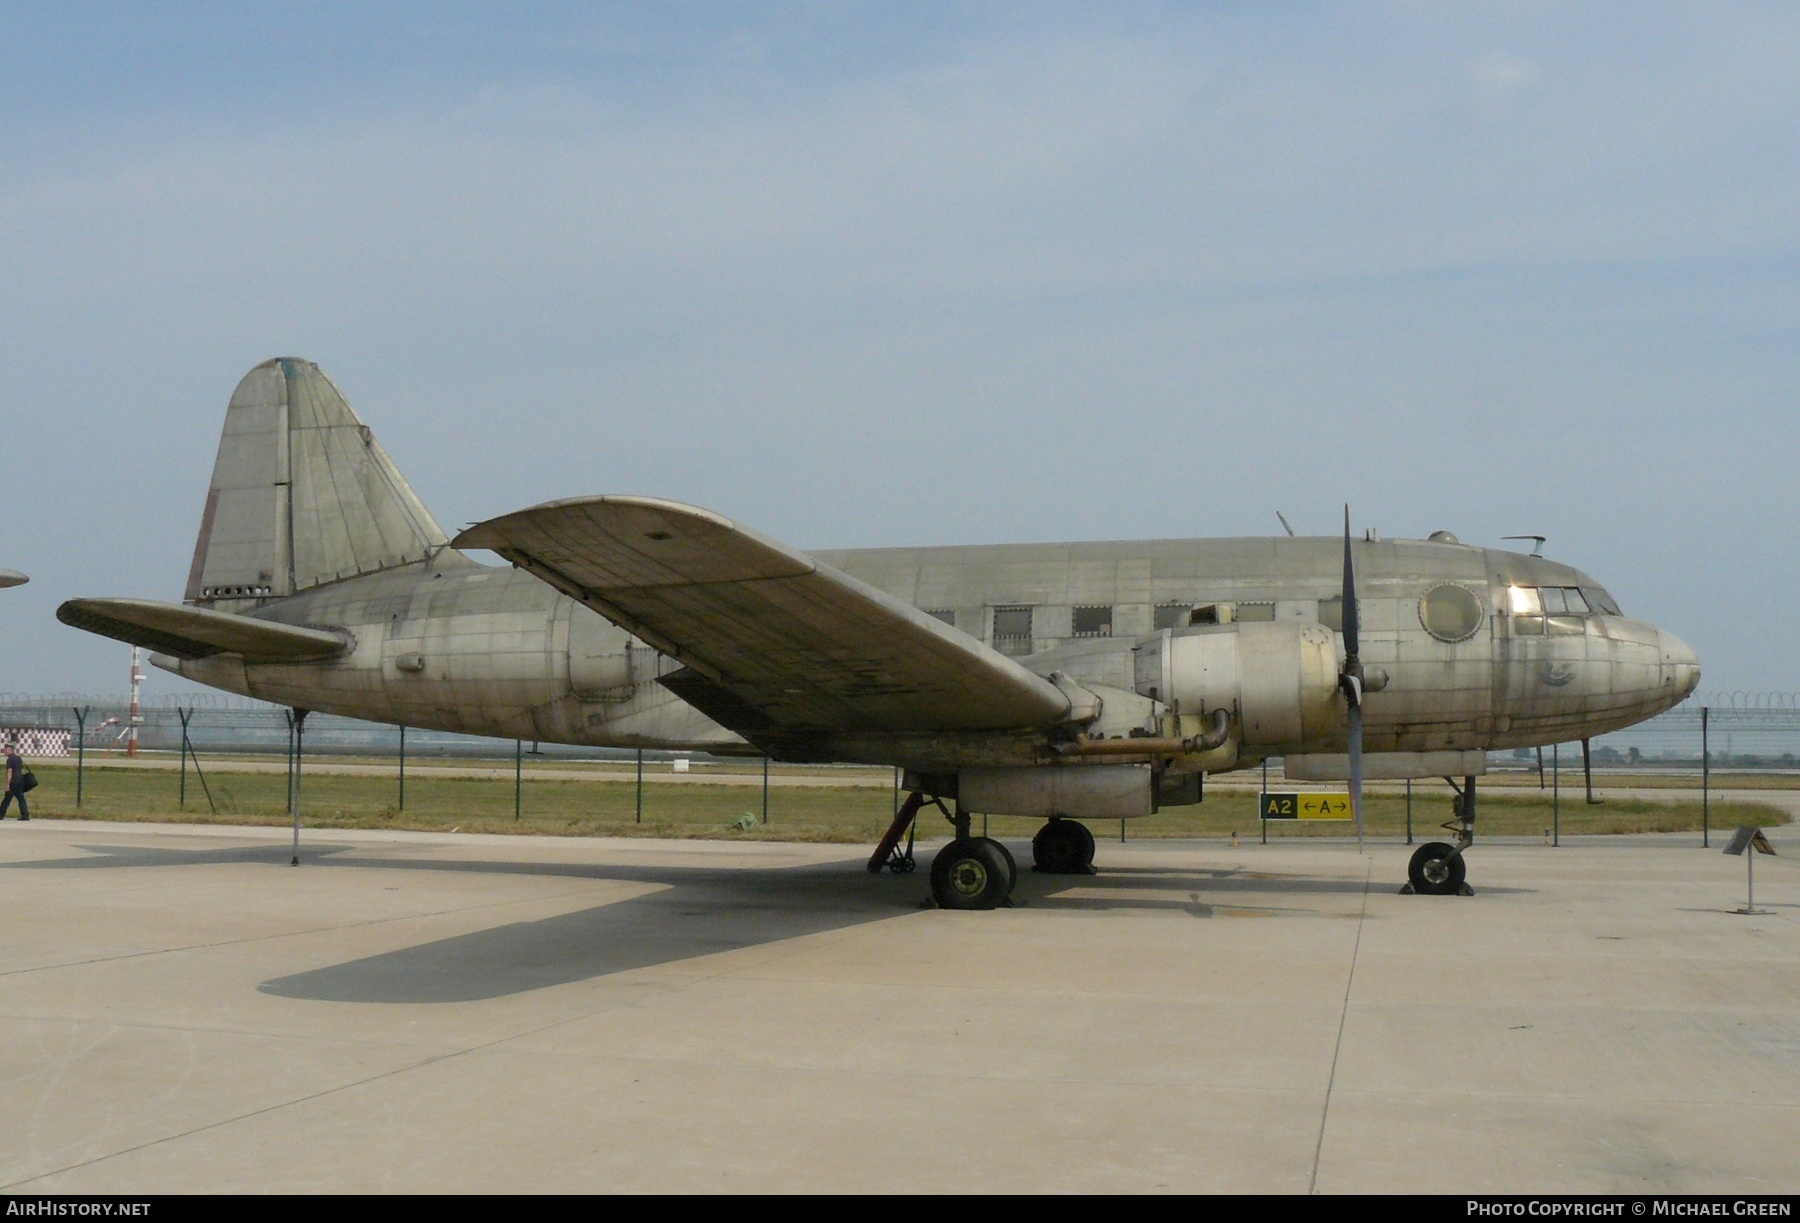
(302, 494)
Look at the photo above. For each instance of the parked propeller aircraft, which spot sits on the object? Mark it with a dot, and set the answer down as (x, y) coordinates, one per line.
(1067, 681)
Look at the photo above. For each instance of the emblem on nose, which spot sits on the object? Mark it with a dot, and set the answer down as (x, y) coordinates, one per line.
(1557, 674)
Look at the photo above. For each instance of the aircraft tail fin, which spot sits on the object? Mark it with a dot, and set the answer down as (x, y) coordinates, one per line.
(302, 494)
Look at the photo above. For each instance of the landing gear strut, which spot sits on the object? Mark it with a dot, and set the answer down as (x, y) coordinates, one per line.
(1438, 869)
(1063, 847)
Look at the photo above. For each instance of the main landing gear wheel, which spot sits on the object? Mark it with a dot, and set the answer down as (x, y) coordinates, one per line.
(1436, 869)
(972, 873)
(1063, 847)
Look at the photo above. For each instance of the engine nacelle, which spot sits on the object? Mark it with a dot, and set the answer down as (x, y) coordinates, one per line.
(1280, 681)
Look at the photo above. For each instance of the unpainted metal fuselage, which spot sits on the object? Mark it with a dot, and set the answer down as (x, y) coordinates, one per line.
(454, 645)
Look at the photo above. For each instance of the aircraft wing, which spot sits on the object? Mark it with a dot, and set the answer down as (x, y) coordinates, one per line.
(773, 640)
(198, 632)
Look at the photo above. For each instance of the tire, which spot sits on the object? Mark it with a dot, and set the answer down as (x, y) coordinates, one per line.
(970, 874)
(1063, 847)
(1006, 856)
(1085, 842)
(1436, 869)
(1053, 850)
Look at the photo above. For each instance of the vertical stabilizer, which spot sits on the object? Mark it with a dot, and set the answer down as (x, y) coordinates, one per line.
(302, 494)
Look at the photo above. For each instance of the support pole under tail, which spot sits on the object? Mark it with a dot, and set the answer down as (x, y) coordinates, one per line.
(1587, 770)
(299, 721)
(402, 806)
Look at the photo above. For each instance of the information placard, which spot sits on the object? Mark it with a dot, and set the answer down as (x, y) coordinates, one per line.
(1305, 806)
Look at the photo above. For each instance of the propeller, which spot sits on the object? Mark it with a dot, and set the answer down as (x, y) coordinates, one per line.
(1350, 682)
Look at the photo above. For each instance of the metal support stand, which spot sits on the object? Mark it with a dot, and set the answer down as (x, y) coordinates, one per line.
(402, 805)
(181, 796)
(518, 778)
(765, 790)
(1265, 790)
(640, 785)
(297, 720)
(1540, 755)
(1409, 836)
(1750, 909)
(888, 854)
(80, 748)
(1587, 771)
(1705, 782)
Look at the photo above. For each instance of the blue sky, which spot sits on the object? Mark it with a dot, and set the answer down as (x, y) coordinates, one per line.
(871, 274)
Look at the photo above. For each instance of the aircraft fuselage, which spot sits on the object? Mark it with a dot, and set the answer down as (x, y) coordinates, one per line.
(454, 645)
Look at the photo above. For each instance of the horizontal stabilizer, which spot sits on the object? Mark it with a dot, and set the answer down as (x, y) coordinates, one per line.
(197, 632)
(777, 643)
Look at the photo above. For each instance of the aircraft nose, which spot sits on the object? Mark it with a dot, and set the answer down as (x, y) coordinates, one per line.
(1680, 666)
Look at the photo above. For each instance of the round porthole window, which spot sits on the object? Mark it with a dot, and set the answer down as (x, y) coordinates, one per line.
(1450, 613)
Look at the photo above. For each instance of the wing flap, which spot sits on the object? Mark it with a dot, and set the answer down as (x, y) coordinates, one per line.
(797, 645)
(198, 632)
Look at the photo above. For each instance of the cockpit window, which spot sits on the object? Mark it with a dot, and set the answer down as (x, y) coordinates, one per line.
(1600, 601)
(1558, 610)
(1524, 601)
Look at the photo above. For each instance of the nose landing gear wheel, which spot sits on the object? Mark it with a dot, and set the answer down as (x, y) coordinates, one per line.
(975, 873)
(1063, 847)
(1436, 869)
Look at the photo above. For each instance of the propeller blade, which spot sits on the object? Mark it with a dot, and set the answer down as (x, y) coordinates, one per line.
(1350, 610)
(1352, 683)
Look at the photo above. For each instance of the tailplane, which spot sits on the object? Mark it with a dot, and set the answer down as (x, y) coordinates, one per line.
(302, 494)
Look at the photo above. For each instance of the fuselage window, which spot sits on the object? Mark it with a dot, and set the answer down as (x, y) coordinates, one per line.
(1012, 630)
(1331, 613)
(1093, 621)
(1253, 613)
(1553, 601)
(946, 614)
(1450, 613)
(1171, 615)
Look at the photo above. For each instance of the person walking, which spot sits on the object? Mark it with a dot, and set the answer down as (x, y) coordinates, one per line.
(15, 783)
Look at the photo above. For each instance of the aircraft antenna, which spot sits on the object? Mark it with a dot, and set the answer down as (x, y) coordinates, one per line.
(1537, 545)
(1284, 523)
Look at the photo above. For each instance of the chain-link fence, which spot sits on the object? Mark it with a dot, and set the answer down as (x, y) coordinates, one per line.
(1737, 731)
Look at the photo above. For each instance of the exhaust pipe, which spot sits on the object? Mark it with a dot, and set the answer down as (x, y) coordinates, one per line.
(1215, 736)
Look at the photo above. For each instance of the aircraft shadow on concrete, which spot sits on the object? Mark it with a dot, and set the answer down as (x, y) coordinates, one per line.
(699, 911)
